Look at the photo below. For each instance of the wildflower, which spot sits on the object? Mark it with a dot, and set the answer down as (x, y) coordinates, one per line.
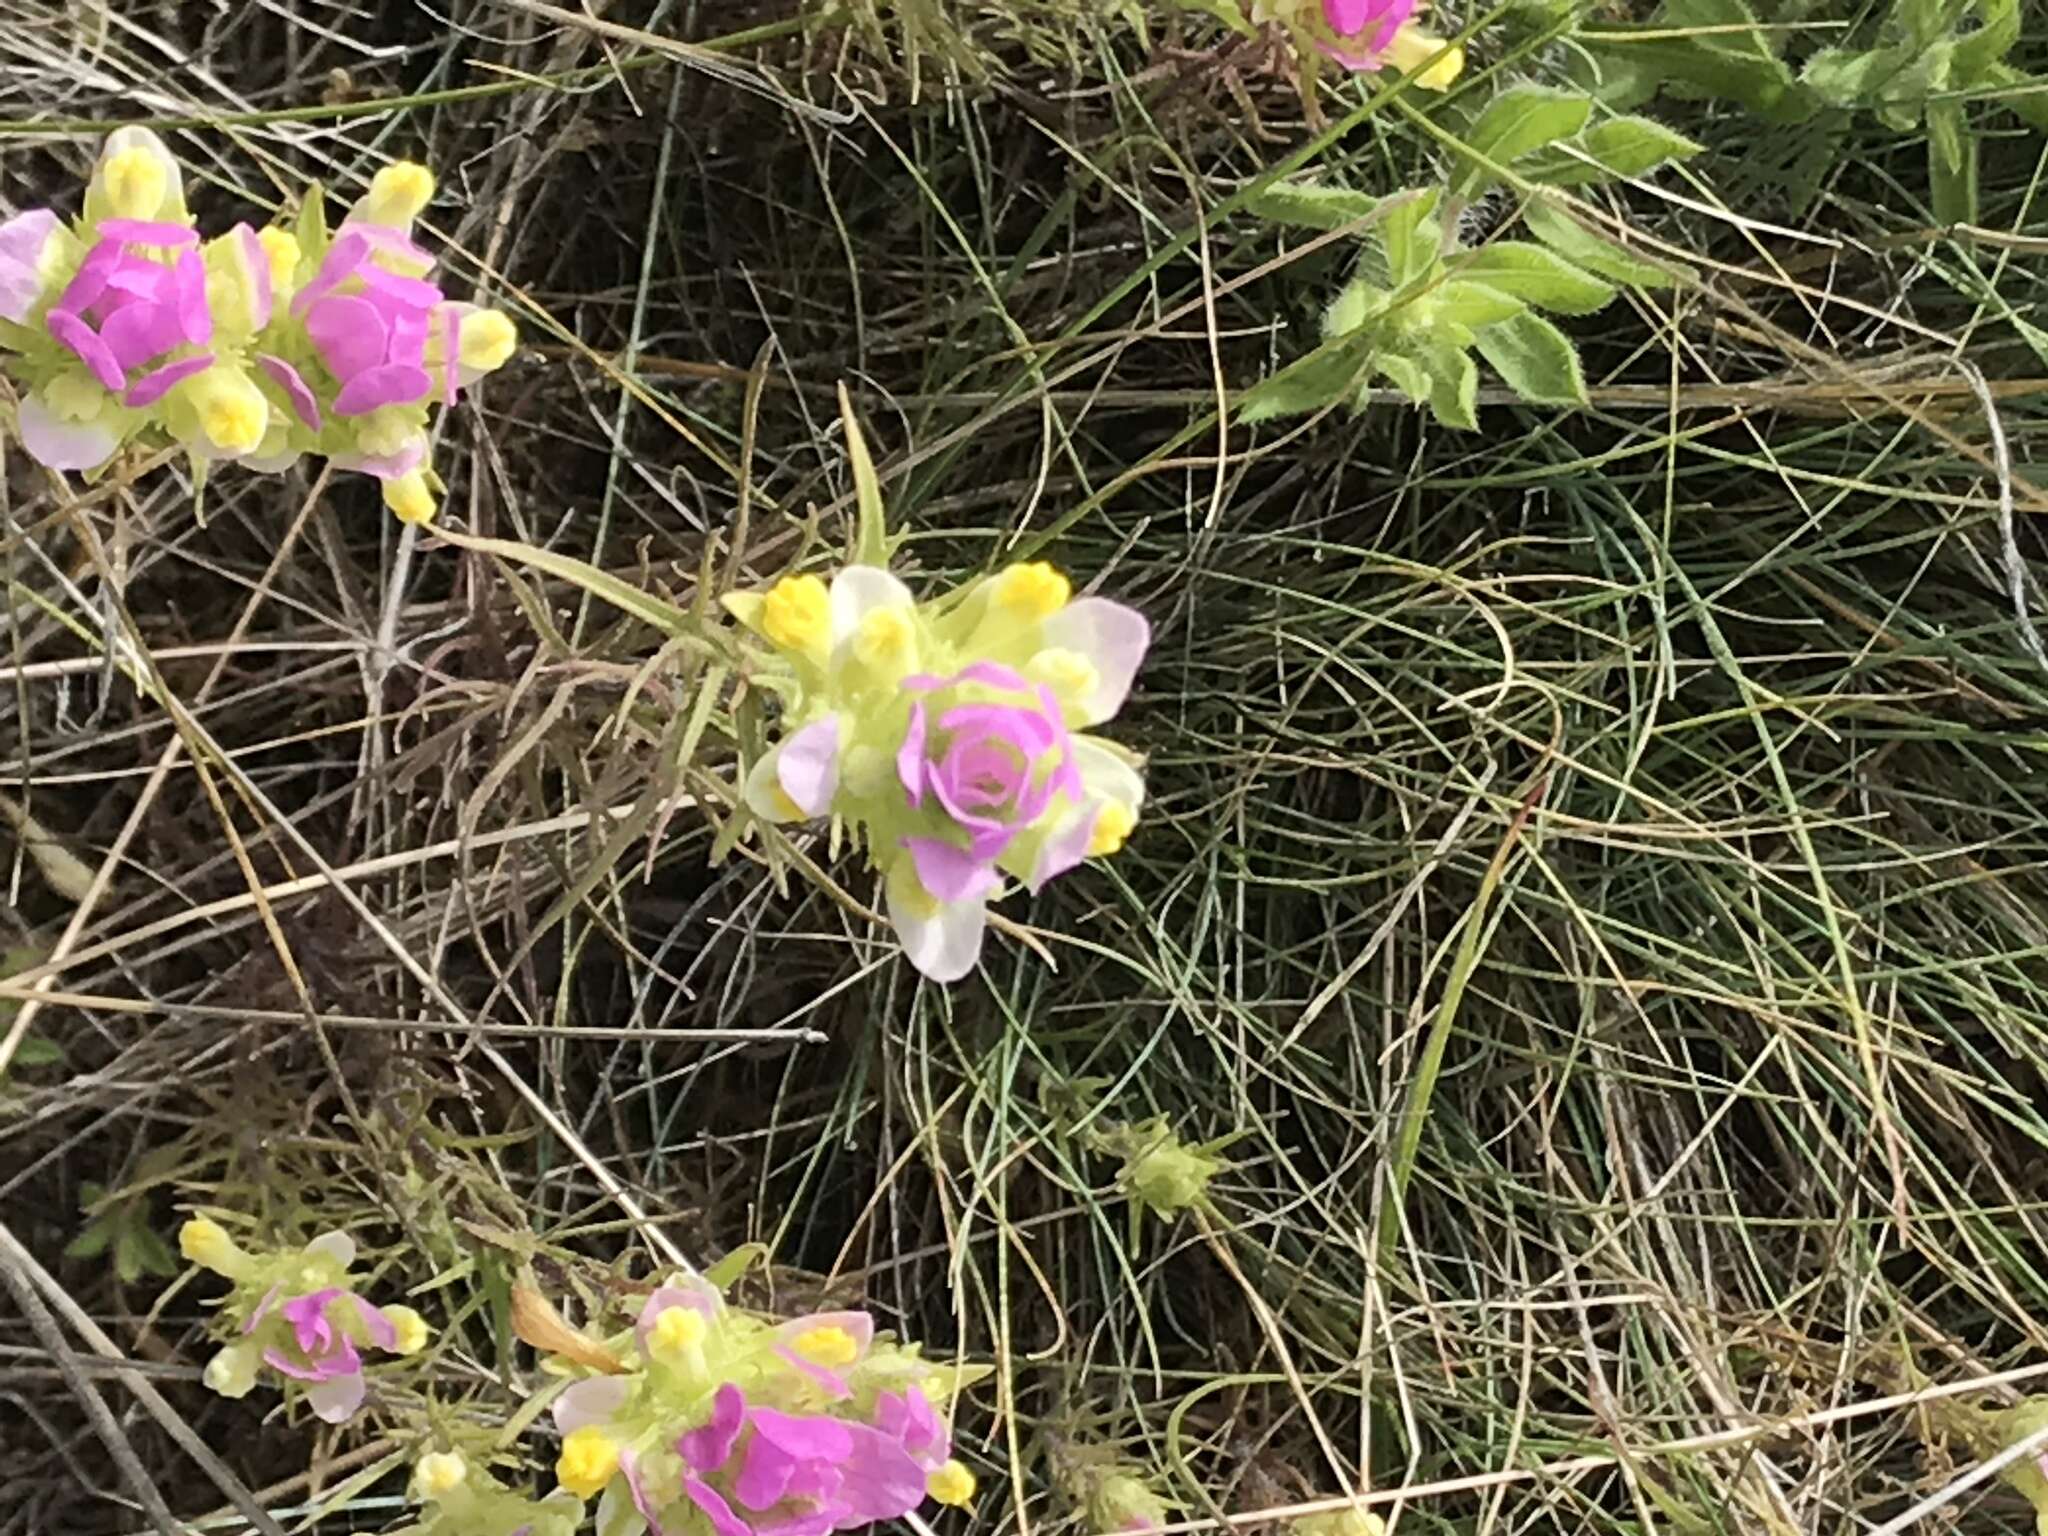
(756, 1427)
(949, 732)
(297, 1315)
(1363, 35)
(466, 1500)
(125, 326)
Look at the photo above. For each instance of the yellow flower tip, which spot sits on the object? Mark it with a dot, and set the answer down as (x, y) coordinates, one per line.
(1411, 51)
(679, 1328)
(487, 340)
(1070, 675)
(398, 193)
(797, 613)
(207, 1244)
(951, 1484)
(588, 1460)
(829, 1346)
(1032, 591)
(1113, 824)
(785, 807)
(135, 184)
(886, 638)
(282, 248)
(440, 1473)
(232, 411)
(411, 1328)
(409, 498)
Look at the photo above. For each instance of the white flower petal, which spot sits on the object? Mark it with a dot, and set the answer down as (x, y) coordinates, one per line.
(56, 443)
(337, 1398)
(594, 1400)
(23, 240)
(807, 766)
(941, 939)
(1112, 638)
(338, 1246)
(859, 590)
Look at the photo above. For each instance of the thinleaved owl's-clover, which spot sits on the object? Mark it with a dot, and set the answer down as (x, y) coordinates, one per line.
(949, 735)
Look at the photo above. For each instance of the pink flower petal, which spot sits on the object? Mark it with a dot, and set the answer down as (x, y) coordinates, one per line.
(288, 379)
(951, 874)
(155, 232)
(151, 387)
(382, 1331)
(195, 315)
(56, 443)
(764, 1474)
(141, 332)
(386, 384)
(412, 292)
(707, 1446)
(348, 253)
(348, 333)
(90, 280)
(263, 297)
(910, 756)
(723, 1521)
(84, 343)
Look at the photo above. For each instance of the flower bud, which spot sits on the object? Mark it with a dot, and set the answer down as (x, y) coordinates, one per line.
(409, 497)
(439, 1473)
(232, 1372)
(232, 413)
(397, 195)
(206, 1243)
(1158, 1171)
(588, 1460)
(1120, 1501)
(796, 614)
(951, 1484)
(411, 1328)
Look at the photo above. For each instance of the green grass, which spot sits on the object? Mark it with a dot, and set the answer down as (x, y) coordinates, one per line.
(1738, 1123)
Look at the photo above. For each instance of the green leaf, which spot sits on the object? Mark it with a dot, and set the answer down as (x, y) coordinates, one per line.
(35, 1051)
(93, 1240)
(2022, 93)
(1410, 235)
(311, 231)
(727, 1270)
(1308, 384)
(1848, 77)
(1618, 147)
(1594, 252)
(1357, 303)
(651, 610)
(871, 537)
(1476, 304)
(1951, 163)
(1310, 205)
(1978, 53)
(1712, 48)
(1536, 274)
(1534, 359)
(1454, 390)
(1408, 375)
(1517, 122)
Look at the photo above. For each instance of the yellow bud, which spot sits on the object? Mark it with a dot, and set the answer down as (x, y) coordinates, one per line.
(207, 1244)
(588, 1460)
(1411, 50)
(440, 1473)
(398, 193)
(282, 247)
(409, 498)
(487, 339)
(135, 183)
(887, 638)
(1113, 823)
(676, 1329)
(1032, 591)
(232, 411)
(411, 1328)
(1070, 675)
(797, 613)
(828, 1346)
(951, 1484)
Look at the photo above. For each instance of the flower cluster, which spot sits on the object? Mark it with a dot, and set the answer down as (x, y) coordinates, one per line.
(949, 734)
(1364, 35)
(292, 1310)
(256, 346)
(753, 1427)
